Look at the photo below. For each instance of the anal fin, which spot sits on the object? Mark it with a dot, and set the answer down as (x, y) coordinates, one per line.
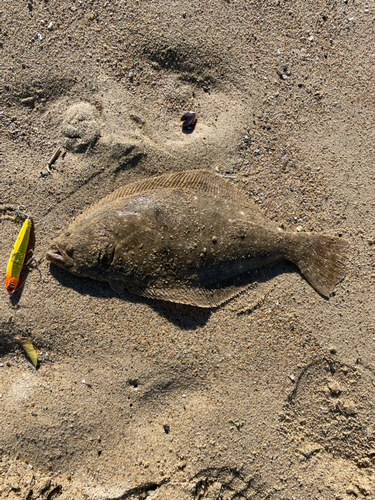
(117, 286)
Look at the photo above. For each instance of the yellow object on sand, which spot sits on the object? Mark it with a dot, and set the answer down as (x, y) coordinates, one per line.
(29, 349)
(17, 257)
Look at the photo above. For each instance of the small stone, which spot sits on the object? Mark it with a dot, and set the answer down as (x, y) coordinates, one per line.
(189, 118)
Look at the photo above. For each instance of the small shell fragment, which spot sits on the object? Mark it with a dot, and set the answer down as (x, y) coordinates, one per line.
(189, 119)
(29, 350)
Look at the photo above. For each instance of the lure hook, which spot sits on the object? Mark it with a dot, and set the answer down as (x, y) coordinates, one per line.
(19, 211)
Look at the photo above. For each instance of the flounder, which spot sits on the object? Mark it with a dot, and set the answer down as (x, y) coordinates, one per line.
(188, 237)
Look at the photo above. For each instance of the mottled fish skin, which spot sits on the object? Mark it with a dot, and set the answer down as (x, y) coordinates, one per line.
(183, 242)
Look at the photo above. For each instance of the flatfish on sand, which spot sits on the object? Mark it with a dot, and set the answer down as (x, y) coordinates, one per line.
(188, 237)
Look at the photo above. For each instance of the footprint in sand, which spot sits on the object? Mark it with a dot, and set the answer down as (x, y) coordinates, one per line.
(332, 408)
(80, 128)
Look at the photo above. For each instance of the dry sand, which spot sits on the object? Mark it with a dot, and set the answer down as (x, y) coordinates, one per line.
(271, 396)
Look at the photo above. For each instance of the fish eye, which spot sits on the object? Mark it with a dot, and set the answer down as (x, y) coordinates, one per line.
(69, 250)
(67, 233)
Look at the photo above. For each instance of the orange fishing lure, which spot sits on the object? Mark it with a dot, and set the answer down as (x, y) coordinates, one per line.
(17, 257)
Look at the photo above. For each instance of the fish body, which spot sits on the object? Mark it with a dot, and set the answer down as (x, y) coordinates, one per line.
(188, 237)
(17, 257)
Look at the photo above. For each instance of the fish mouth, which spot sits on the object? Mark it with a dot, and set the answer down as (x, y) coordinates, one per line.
(59, 257)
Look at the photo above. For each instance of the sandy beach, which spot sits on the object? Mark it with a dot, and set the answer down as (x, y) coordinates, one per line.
(272, 394)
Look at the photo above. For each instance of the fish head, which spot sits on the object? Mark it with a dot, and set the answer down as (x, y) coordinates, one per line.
(81, 252)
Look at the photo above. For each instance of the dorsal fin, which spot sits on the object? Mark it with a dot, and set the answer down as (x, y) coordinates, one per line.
(196, 180)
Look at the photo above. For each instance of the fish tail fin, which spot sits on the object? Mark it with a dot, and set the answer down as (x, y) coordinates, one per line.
(321, 259)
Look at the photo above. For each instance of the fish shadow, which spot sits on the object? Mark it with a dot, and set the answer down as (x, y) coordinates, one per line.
(7, 340)
(184, 316)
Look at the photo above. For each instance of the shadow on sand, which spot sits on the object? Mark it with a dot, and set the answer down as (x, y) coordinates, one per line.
(184, 316)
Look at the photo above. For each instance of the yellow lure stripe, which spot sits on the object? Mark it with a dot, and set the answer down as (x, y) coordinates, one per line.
(17, 257)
